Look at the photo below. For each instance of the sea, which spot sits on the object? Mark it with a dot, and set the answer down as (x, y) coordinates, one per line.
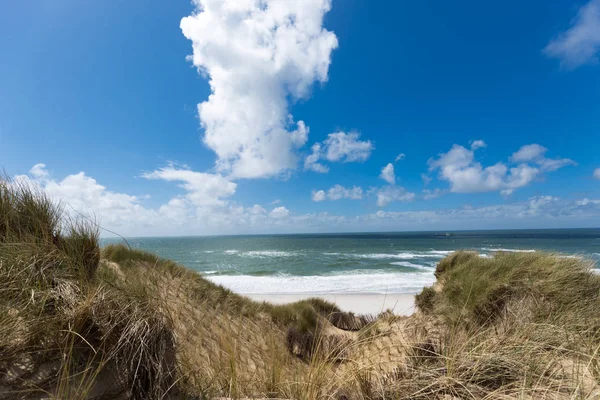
(382, 263)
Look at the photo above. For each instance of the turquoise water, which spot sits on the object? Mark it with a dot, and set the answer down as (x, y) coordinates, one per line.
(349, 263)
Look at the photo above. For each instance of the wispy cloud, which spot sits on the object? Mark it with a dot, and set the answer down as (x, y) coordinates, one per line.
(579, 44)
(535, 154)
(202, 188)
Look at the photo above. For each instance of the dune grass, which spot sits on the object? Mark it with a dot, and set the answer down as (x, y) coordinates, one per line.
(479, 288)
(518, 325)
(81, 322)
(62, 330)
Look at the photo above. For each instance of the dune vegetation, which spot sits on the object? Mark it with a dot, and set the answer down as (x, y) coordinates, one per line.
(81, 322)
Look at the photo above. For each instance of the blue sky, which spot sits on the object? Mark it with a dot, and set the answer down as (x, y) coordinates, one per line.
(495, 107)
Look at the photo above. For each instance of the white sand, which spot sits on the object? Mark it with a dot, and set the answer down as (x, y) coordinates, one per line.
(401, 304)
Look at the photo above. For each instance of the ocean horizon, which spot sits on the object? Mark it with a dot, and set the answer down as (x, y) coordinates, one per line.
(360, 262)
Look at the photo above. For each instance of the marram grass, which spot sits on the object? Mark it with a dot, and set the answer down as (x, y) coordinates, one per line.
(78, 322)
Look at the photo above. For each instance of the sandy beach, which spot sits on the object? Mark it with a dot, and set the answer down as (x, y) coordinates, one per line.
(367, 303)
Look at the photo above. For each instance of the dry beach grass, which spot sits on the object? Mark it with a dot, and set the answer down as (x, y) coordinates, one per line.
(79, 322)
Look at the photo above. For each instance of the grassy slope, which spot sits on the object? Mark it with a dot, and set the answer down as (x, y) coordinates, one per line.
(135, 326)
(516, 325)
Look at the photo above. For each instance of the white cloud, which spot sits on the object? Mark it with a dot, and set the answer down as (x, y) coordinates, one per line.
(82, 194)
(279, 213)
(542, 211)
(39, 172)
(203, 189)
(535, 153)
(465, 175)
(597, 173)
(256, 55)
(536, 212)
(276, 201)
(400, 157)
(202, 209)
(586, 202)
(529, 152)
(389, 194)
(127, 214)
(257, 210)
(579, 44)
(538, 204)
(478, 144)
(338, 192)
(311, 161)
(388, 175)
(346, 147)
(338, 147)
(548, 164)
(318, 195)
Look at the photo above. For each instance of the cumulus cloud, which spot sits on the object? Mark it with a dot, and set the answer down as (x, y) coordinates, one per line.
(318, 195)
(338, 192)
(203, 208)
(279, 213)
(389, 194)
(338, 147)
(257, 55)
(346, 147)
(465, 175)
(400, 157)
(387, 174)
(477, 144)
(579, 44)
(257, 210)
(597, 173)
(84, 195)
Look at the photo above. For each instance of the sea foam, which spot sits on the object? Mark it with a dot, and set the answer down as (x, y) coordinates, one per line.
(383, 256)
(508, 250)
(267, 253)
(347, 283)
(412, 265)
(405, 255)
